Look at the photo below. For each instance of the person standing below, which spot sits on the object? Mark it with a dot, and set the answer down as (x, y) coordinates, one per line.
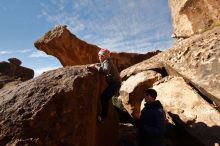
(110, 71)
(152, 121)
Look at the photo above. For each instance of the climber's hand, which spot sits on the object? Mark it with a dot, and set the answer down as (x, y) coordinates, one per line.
(96, 65)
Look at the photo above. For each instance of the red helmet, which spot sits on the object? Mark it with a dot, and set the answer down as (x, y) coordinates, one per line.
(104, 52)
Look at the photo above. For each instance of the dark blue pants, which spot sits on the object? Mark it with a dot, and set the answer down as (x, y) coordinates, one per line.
(108, 93)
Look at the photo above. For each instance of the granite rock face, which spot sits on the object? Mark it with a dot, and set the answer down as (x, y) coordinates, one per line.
(196, 59)
(194, 16)
(70, 50)
(57, 108)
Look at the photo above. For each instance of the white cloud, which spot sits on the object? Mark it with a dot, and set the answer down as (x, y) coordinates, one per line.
(39, 71)
(4, 52)
(24, 51)
(116, 24)
(37, 54)
(16, 51)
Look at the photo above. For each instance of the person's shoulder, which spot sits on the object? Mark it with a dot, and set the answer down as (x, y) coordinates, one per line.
(158, 106)
(159, 110)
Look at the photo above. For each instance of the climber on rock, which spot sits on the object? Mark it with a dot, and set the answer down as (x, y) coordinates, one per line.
(152, 121)
(110, 71)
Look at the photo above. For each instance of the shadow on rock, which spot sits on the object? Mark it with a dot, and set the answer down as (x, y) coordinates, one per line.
(184, 133)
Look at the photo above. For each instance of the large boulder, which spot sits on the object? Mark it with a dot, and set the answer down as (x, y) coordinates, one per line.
(188, 109)
(55, 109)
(16, 71)
(194, 16)
(10, 72)
(70, 50)
(131, 92)
(196, 59)
(142, 66)
(65, 46)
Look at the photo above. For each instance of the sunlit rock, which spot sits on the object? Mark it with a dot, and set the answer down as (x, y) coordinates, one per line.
(131, 92)
(70, 50)
(196, 59)
(194, 16)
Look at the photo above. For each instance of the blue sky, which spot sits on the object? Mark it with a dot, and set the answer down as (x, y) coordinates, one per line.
(120, 25)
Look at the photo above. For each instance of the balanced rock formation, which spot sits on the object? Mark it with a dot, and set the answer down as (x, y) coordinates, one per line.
(12, 71)
(188, 109)
(65, 46)
(15, 61)
(55, 109)
(196, 59)
(194, 16)
(70, 50)
(131, 92)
